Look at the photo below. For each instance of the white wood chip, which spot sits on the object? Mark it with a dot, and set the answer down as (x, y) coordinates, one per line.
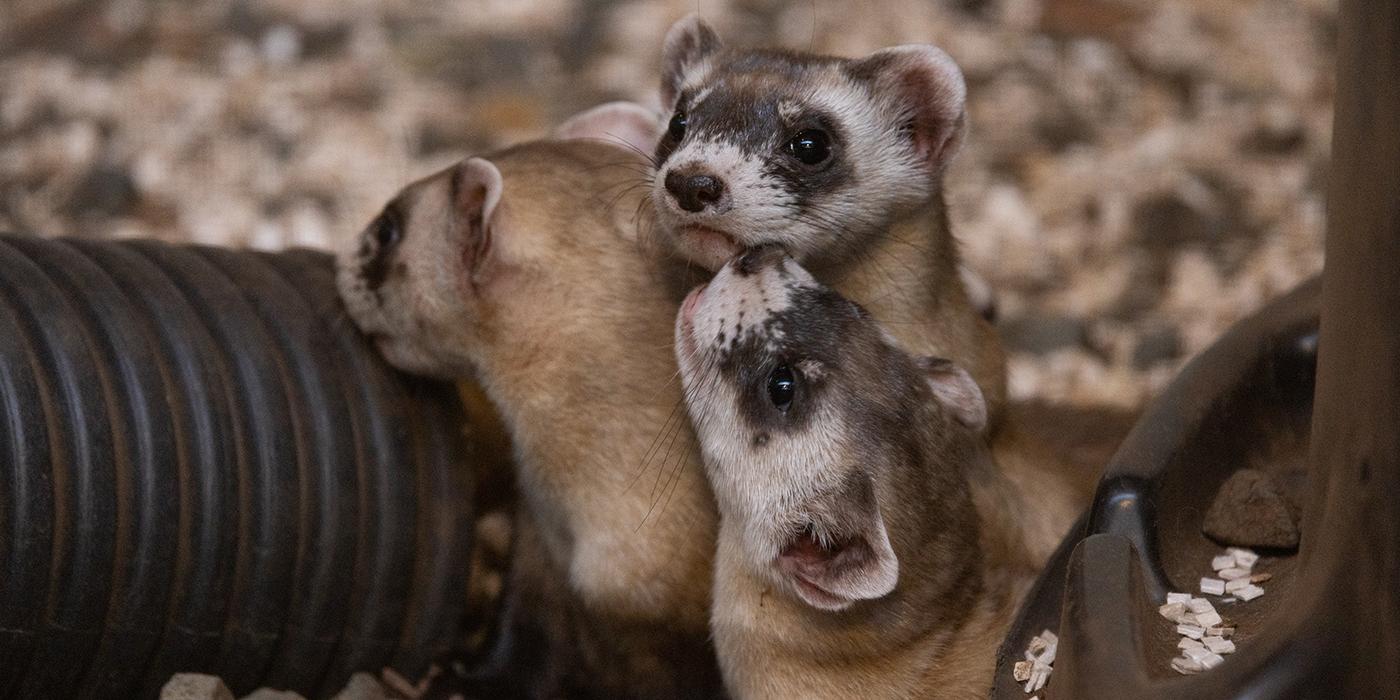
(1235, 584)
(1196, 653)
(1233, 572)
(1221, 631)
(1042, 675)
(1213, 586)
(1200, 605)
(1243, 557)
(1191, 631)
(1035, 670)
(1212, 661)
(1223, 561)
(1249, 593)
(1036, 682)
(1186, 666)
(1220, 646)
(1209, 619)
(1021, 671)
(1182, 598)
(1172, 611)
(1188, 643)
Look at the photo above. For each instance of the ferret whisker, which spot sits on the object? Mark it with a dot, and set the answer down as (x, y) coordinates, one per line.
(614, 140)
(666, 459)
(628, 189)
(650, 157)
(646, 456)
(681, 460)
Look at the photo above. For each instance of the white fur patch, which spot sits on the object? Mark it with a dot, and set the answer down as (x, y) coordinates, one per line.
(764, 488)
(888, 176)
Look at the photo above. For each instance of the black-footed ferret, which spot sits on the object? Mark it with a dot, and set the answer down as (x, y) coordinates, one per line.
(868, 545)
(840, 161)
(512, 269)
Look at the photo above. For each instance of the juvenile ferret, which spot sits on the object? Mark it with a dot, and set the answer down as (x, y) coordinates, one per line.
(838, 160)
(518, 269)
(868, 545)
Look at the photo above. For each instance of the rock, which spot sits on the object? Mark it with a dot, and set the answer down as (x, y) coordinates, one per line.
(1279, 131)
(106, 191)
(362, 686)
(1166, 221)
(1249, 511)
(1043, 334)
(195, 686)
(1156, 345)
(271, 694)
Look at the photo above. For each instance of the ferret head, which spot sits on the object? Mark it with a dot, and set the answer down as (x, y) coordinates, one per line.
(488, 261)
(812, 152)
(824, 442)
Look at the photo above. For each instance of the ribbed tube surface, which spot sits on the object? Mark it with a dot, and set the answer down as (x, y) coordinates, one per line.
(204, 467)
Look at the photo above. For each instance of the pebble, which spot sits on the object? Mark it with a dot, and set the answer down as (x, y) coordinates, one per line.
(1072, 137)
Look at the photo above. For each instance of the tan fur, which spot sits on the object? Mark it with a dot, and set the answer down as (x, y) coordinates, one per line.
(884, 240)
(935, 636)
(910, 280)
(966, 535)
(568, 333)
(911, 644)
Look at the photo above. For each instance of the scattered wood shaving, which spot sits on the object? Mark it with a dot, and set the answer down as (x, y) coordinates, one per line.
(1035, 670)
(1206, 635)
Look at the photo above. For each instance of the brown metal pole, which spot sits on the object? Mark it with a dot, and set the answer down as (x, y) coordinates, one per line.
(1352, 522)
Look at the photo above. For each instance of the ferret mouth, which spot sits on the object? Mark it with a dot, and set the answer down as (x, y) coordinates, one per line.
(687, 315)
(710, 246)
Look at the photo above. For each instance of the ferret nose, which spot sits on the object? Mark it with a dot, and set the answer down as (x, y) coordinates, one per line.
(755, 259)
(694, 192)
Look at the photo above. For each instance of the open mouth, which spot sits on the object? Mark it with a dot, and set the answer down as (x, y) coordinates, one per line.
(688, 307)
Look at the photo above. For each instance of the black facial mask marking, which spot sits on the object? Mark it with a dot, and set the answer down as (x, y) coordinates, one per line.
(378, 243)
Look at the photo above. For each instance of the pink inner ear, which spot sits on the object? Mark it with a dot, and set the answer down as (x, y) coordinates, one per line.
(476, 239)
(931, 128)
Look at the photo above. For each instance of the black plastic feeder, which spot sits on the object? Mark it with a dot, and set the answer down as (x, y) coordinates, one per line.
(1307, 389)
(204, 467)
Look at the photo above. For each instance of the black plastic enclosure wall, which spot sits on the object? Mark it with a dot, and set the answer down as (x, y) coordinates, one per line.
(205, 467)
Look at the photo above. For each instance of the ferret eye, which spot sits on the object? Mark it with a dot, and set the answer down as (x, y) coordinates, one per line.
(781, 387)
(676, 129)
(811, 146)
(387, 233)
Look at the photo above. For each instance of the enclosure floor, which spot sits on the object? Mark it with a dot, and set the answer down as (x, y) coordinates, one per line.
(1139, 174)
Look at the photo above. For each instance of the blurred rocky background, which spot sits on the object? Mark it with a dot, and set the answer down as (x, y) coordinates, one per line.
(1139, 175)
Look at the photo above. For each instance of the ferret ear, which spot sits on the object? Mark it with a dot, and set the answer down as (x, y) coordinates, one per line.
(979, 293)
(925, 94)
(955, 389)
(625, 123)
(847, 557)
(689, 41)
(478, 188)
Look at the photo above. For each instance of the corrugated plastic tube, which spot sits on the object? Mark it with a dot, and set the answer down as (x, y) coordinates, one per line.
(204, 467)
